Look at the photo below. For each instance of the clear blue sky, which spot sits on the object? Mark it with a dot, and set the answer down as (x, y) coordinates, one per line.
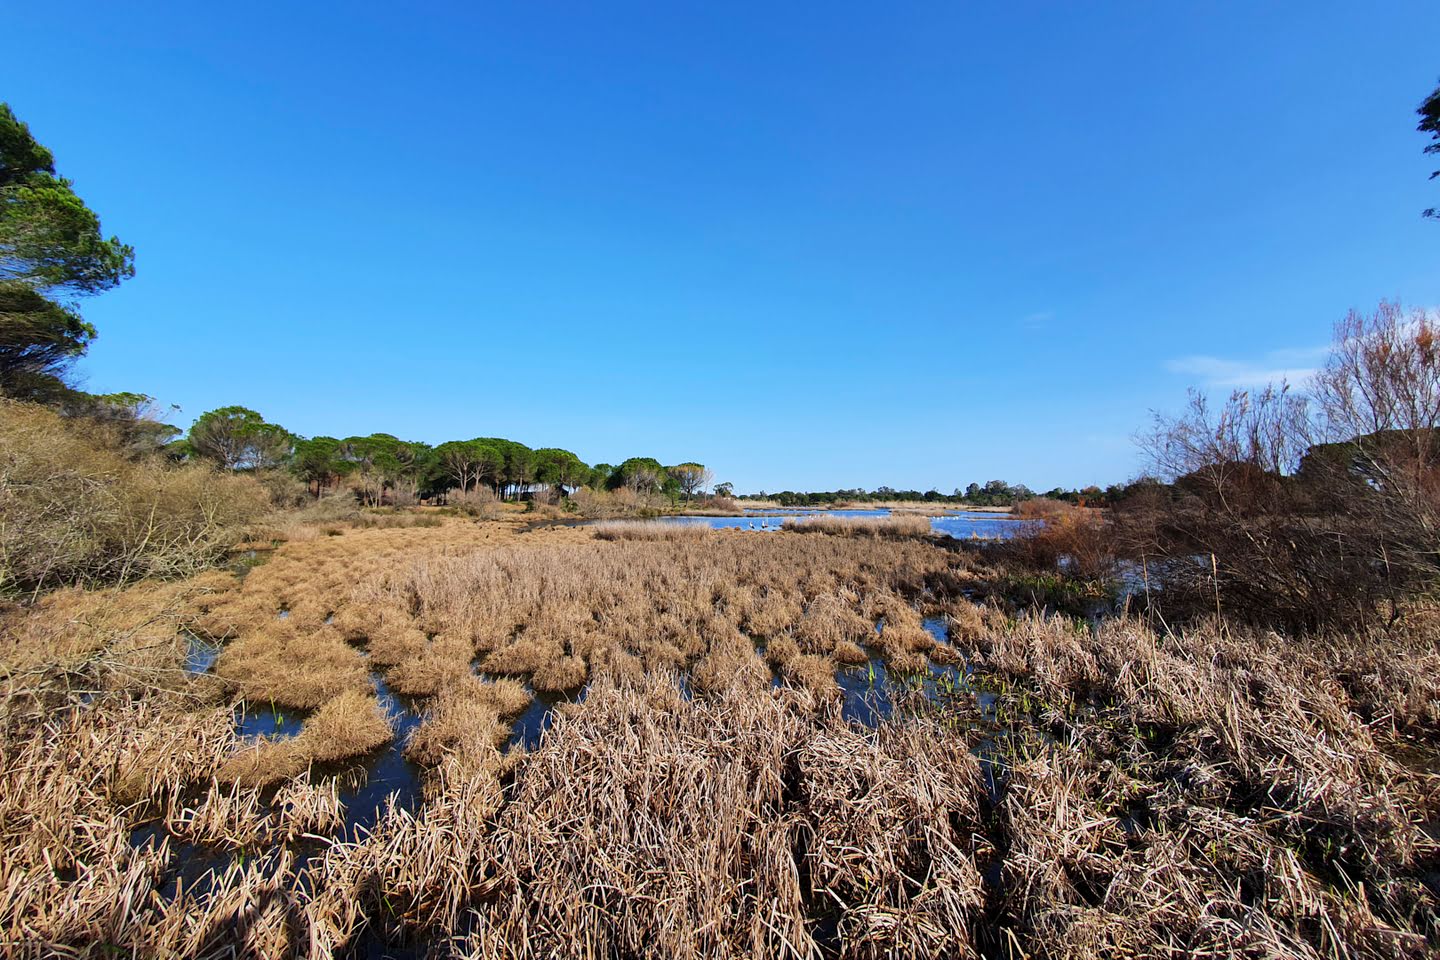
(814, 245)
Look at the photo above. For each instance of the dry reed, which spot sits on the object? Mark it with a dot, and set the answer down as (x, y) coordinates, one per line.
(1140, 794)
(896, 525)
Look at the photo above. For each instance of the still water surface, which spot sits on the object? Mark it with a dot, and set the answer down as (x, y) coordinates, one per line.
(962, 526)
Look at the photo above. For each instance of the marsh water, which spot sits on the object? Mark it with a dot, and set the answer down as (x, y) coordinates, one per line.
(870, 692)
(962, 526)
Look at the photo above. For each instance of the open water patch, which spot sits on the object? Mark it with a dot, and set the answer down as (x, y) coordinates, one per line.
(873, 692)
(368, 785)
(243, 561)
(961, 526)
(529, 728)
(255, 721)
(200, 654)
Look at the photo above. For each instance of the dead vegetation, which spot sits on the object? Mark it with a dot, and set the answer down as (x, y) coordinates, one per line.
(347, 725)
(1202, 792)
(650, 530)
(893, 525)
(77, 510)
(1086, 793)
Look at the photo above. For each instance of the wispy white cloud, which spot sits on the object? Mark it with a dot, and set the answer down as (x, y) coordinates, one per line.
(1038, 320)
(1293, 365)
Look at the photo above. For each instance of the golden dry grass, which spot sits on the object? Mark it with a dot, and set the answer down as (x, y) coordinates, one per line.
(896, 525)
(347, 725)
(1141, 793)
(650, 530)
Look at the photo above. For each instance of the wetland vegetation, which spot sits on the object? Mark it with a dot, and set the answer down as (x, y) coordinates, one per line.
(270, 696)
(803, 744)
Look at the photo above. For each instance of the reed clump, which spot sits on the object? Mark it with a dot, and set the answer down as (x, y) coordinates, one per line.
(893, 831)
(466, 724)
(348, 725)
(549, 611)
(261, 666)
(895, 525)
(650, 530)
(1203, 790)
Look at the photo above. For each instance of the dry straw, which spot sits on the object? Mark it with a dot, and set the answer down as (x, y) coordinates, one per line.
(1115, 792)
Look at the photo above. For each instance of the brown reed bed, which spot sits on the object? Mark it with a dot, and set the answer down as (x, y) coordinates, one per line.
(895, 525)
(650, 530)
(1203, 792)
(1095, 791)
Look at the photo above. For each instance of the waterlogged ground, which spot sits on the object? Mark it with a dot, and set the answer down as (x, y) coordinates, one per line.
(800, 744)
(870, 694)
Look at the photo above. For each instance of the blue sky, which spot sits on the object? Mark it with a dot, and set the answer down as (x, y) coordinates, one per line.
(814, 245)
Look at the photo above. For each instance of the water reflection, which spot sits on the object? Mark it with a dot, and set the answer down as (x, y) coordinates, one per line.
(256, 720)
(871, 690)
(386, 773)
(200, 654)
(529, 728)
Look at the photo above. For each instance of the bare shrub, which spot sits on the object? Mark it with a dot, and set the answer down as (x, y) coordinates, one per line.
(716, 505)
(1304, 512)
(77, 511)
(331, 508)
(285, 490)
(1075, 540)
(543, 510)
(479, 502)
(623, 502)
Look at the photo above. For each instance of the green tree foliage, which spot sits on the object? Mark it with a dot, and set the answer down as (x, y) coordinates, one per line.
(39, 340)
(515, 469)
(52, 252)
(600, 475)
(238, 438)
(317, 461)
(1430, 123)
(996, 493)
(560, 469)
(459, 463)
(382, 469)
(374, 462)
(381, 463)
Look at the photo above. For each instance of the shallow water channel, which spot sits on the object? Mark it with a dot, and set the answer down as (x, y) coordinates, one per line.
(870, 692)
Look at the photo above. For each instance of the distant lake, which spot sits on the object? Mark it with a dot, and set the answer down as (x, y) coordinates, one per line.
(959, 525)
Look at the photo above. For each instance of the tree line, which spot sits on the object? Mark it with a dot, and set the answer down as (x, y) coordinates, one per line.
(382, 468)
(994, 493)
(53, 254)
